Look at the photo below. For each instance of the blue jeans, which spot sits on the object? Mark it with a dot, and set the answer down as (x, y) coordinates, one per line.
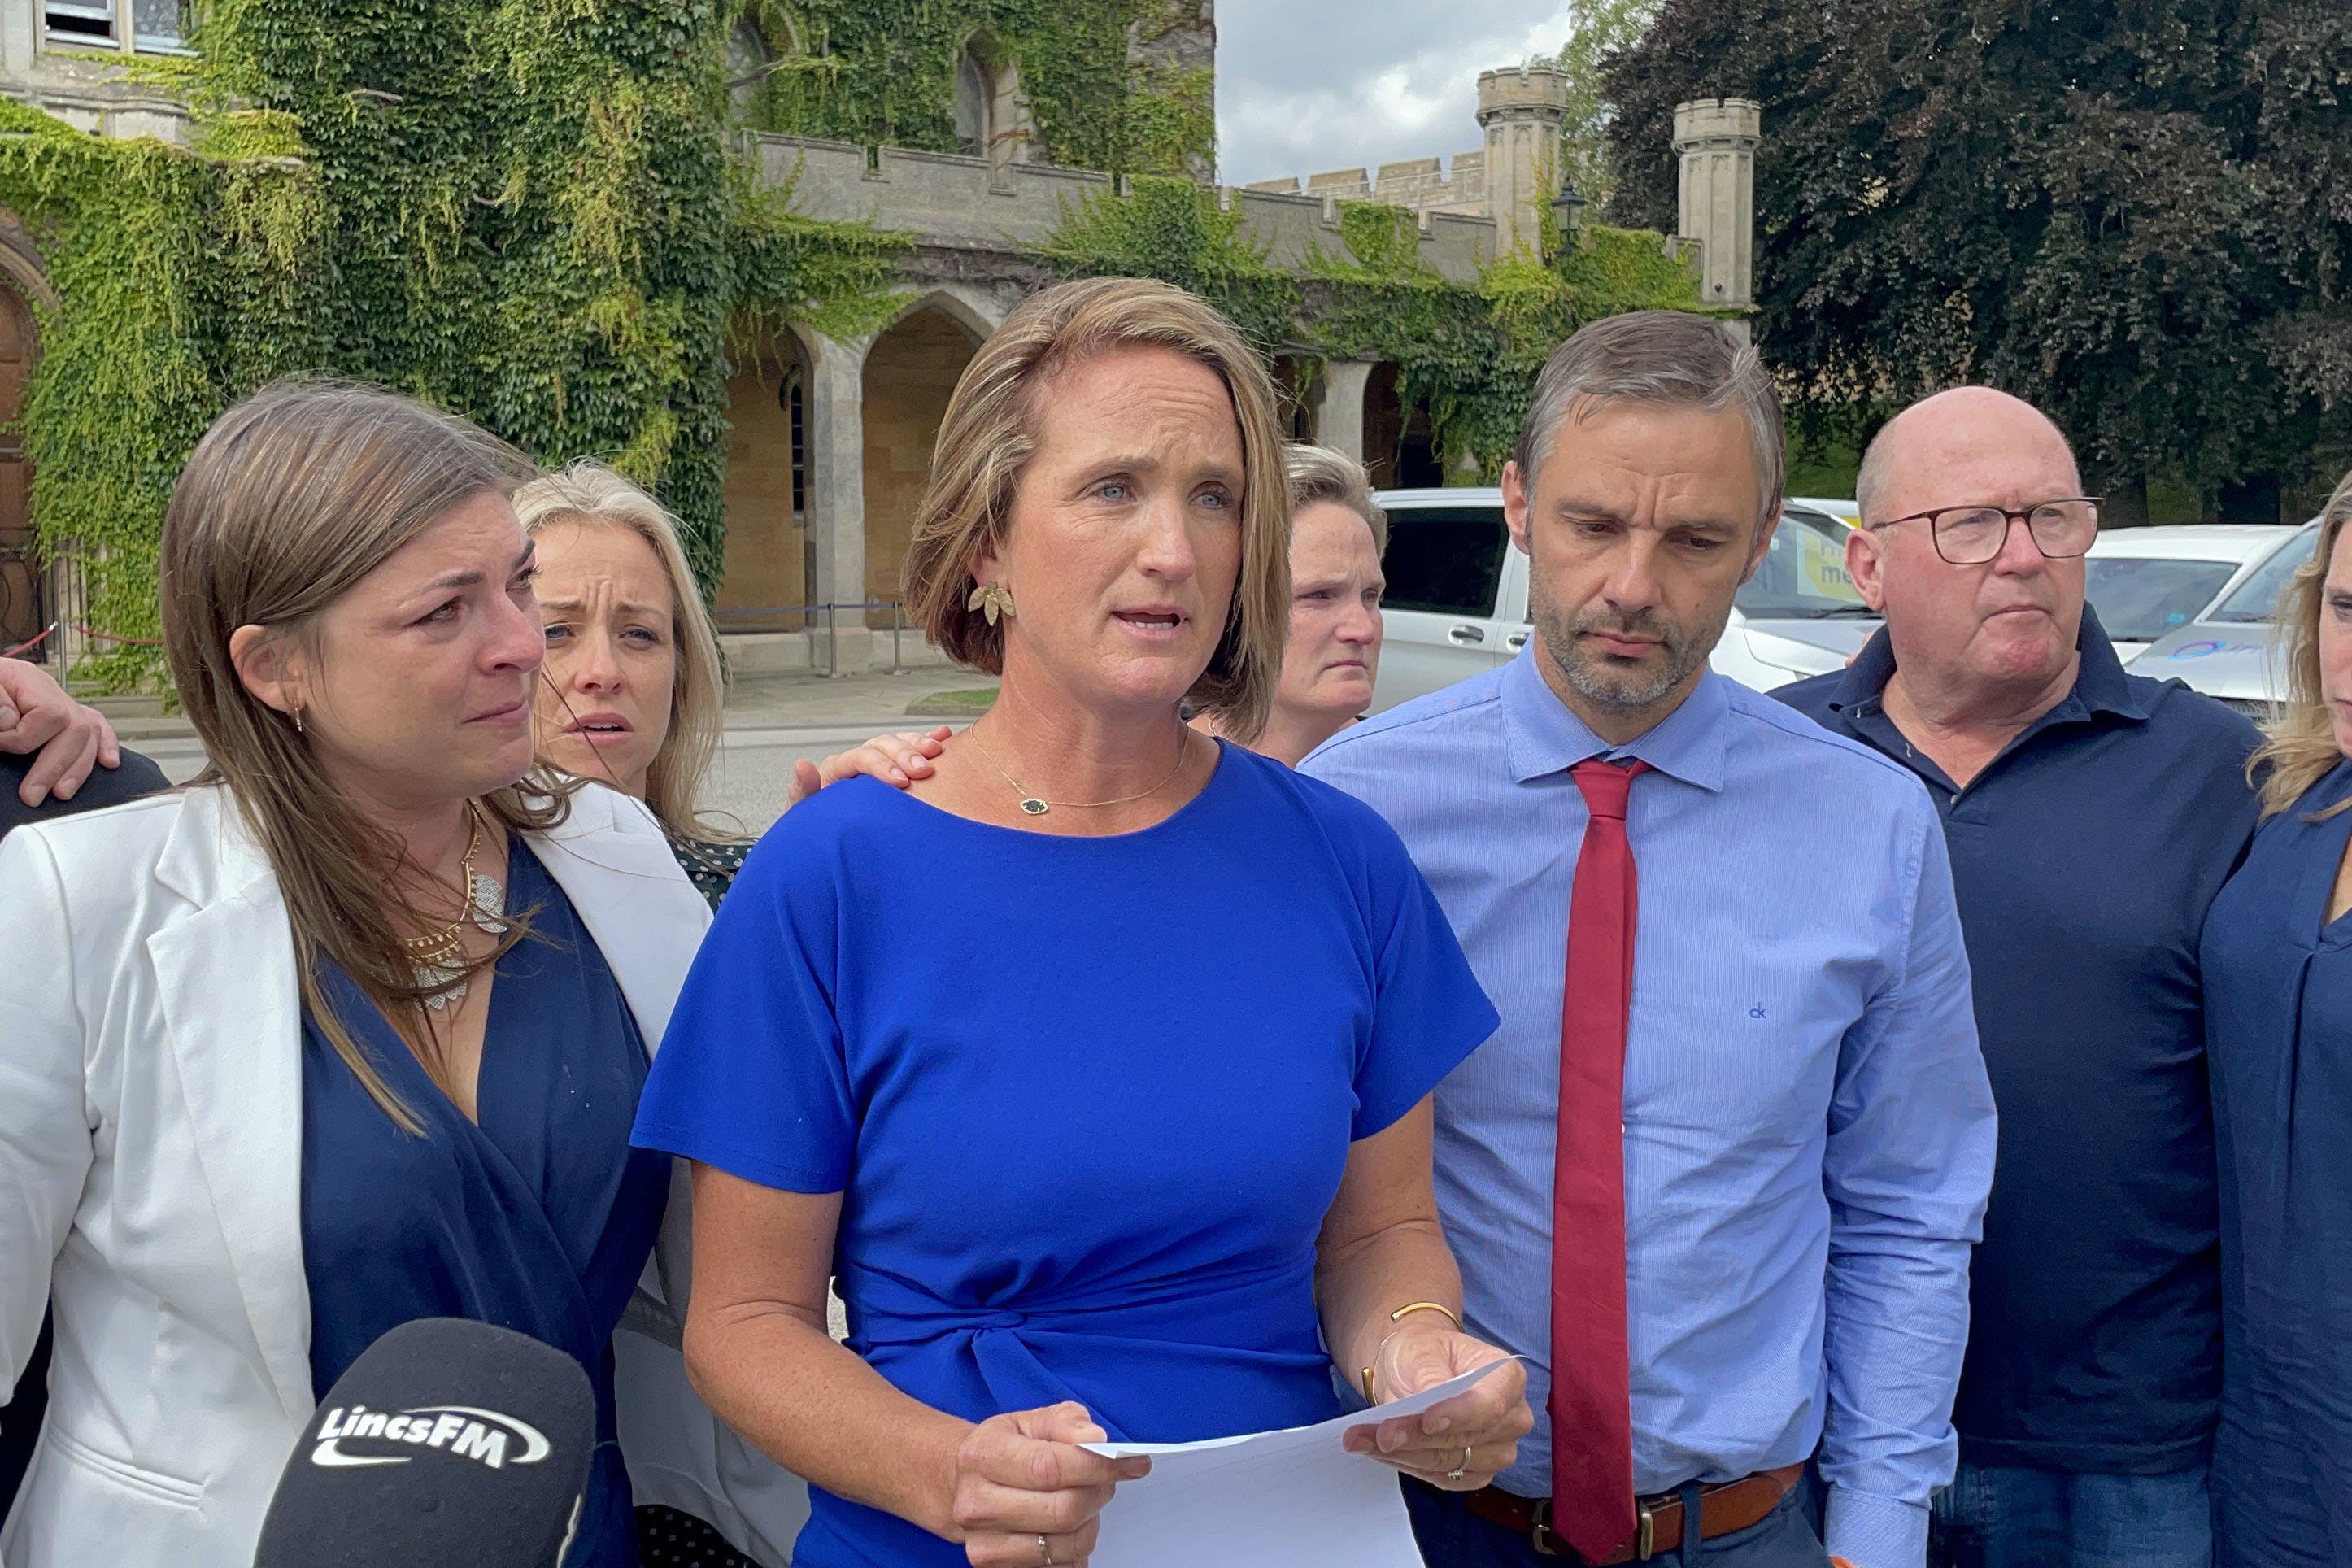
(1450, 1536)
(2006, 1518)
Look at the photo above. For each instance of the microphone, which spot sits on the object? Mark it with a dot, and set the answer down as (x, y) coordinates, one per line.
(448, 1441)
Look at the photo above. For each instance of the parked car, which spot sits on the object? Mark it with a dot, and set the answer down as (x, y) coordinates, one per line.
(2227, 652)
(1845, 512)
(1457, 597)
(2146, 582)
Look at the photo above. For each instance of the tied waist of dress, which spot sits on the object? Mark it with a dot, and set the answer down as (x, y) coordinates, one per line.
(1215, 1325)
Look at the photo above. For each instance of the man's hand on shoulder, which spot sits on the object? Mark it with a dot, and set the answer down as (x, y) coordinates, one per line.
(36, 715)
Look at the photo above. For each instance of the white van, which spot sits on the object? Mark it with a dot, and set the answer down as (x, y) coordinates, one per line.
(1457, 597)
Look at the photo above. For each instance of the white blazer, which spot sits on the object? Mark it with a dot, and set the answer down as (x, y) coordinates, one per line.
(150, 1142)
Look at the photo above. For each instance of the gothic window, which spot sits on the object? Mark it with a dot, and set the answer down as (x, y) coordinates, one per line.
(973, 93)
(991, 117)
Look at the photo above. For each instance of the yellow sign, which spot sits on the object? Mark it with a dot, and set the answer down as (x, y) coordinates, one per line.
(1821, 563)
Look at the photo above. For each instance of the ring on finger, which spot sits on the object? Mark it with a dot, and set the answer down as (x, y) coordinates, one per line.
(1045, 1552)
(1455, 1474)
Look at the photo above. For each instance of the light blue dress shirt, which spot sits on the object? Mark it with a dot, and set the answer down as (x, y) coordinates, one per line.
(1809, 1133)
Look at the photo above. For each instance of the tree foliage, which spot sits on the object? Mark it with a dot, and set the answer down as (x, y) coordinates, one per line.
(2136, 215)
(1469, 351)
(1602, 29)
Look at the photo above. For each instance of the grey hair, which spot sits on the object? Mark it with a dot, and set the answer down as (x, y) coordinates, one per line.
(1326, 474)
(1870, 479)
(1671, 358)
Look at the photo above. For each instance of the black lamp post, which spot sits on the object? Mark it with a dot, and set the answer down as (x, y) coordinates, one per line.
(1568, 212)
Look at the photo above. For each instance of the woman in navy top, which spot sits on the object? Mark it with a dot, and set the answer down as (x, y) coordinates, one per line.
(534, 1214)
(349, 1031)
(2278, 1008)
(1098, 1064)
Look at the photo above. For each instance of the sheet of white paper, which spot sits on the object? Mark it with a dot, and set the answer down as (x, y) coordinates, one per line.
(1294, 1498)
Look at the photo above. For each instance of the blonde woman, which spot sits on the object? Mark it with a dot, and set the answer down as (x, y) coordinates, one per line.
(632, 692)
(2277, 964)
(1098, 1064)
(1332, 653)
(350, 1032)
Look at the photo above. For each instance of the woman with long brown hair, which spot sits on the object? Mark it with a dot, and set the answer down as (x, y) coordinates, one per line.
(350, 1032)
(2277, 963)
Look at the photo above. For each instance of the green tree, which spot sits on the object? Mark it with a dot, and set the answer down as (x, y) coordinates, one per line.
(1604, 28)
(2135, 215)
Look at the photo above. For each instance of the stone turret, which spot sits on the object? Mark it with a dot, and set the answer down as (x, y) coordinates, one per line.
(1522, 110)
(1716, 139)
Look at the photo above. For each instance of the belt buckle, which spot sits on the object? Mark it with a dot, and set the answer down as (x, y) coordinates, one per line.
(1539, 1526)
(1645, 1537)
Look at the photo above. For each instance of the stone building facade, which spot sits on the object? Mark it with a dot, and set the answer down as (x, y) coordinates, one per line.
(830, 437)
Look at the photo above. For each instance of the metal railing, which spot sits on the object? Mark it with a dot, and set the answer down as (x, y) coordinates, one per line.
(832, 609)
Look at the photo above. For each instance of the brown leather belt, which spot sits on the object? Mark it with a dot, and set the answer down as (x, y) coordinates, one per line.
(1723, 1507)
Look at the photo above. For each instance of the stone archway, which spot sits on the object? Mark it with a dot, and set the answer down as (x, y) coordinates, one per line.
(24, 599)
(910, 372)
(765, 503)
(1399, 444)
(1298, 394)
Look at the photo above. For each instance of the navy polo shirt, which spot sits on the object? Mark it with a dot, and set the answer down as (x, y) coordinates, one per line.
(2085, 855)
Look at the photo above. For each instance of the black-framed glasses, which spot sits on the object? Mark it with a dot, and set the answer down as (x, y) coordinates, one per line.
(1972, 536)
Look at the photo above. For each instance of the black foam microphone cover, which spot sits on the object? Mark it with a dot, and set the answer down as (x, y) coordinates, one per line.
(446, 1442)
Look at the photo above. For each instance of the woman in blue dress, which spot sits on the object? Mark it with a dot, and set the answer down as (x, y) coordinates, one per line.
(1096, 1065)
(2278, 1009)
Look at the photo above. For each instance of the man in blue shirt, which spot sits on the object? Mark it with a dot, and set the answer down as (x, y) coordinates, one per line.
(1766, 1256)
(2091, 816)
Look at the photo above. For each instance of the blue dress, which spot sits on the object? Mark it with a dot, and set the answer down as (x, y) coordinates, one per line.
(2278, 1010)
(1087, 1101)
(538, 1219)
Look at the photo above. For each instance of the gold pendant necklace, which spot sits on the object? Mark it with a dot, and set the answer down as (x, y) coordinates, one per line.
(439, 957)
(1037, 806)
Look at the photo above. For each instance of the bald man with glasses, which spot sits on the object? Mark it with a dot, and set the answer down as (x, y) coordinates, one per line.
(2091, 815)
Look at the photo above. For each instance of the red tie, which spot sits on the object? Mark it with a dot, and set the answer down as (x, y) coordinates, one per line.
(1591, 1385)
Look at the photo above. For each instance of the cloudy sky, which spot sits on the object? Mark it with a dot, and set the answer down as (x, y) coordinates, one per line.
(1308, 85)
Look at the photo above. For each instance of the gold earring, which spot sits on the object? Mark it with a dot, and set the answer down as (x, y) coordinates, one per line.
(992, 600)
(297, 718)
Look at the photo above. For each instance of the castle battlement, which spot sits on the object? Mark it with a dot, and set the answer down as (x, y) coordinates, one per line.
(953, 202)
(1456, 185)
(1506, 181)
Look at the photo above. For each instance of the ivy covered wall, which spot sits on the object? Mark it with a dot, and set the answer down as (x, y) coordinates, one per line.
(523, 210)
(1124, 86)
(1469, 353)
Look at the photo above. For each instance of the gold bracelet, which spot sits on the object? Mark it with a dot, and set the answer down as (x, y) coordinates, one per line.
(1450, 1316)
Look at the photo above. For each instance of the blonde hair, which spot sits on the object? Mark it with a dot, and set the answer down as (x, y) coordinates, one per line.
(1326, 474)
(2302, 745)
(588, 493)
(991, 431)
(291, 497)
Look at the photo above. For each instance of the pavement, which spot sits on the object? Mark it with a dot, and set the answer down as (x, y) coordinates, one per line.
(772, 720)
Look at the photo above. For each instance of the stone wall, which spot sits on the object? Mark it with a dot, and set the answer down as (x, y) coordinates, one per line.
(959, 203)
(1456, 186)
(909, 373)
(766, 539)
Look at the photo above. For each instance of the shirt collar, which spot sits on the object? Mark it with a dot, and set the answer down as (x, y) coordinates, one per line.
(2100, 684)
(1542, 736)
